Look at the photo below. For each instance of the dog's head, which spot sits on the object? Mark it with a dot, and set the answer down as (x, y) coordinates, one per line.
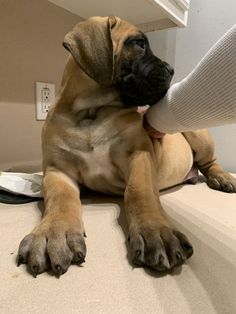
(114, 52)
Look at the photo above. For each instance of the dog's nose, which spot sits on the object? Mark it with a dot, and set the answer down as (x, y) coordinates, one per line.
(170, 69)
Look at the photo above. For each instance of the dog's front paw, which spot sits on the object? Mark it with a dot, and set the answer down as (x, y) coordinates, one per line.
(158, 247)
(222, 181)
(52, 246)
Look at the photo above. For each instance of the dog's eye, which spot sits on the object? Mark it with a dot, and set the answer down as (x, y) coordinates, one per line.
(139, 42)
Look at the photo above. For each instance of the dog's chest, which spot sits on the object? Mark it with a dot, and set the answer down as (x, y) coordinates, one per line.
(98, 171)
(91, 146)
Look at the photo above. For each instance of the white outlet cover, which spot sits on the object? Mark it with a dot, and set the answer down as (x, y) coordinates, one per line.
(42, 104)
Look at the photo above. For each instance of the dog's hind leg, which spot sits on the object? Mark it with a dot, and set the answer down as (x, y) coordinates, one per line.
(153, 240)
(205, 158)
(59, 239)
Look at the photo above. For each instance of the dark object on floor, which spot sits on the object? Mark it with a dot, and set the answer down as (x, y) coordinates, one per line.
(10, 198)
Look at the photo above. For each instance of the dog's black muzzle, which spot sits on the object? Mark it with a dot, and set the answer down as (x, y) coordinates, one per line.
(145, 81)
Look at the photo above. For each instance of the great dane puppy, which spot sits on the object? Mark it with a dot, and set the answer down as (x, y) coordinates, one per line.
(93, 136)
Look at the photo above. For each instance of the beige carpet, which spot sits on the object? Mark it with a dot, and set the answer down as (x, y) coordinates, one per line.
(107, 283)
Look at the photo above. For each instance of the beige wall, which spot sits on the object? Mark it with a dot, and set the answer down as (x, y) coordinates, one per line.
(31, 35)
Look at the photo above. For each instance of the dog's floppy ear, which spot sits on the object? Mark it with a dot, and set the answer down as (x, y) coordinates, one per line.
(91, 46)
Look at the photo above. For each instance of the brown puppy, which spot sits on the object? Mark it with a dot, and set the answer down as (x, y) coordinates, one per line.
(92, 138)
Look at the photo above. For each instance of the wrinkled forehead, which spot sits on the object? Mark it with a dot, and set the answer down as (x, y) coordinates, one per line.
(121, 31)
(120, 28)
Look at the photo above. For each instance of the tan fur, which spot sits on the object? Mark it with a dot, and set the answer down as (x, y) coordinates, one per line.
(91, 139)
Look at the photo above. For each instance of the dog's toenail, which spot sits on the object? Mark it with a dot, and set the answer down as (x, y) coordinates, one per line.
(35, 271)
(20, 260)
(161, 259)
(178, 256)
(58, 269)
(188, 248)
(81, 258)
(137, 253)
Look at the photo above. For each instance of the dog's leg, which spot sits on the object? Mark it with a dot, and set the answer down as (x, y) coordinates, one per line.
(59, 239)
(205, 158)
(153, 240)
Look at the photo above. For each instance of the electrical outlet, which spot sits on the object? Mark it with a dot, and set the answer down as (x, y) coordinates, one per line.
(45, 95)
